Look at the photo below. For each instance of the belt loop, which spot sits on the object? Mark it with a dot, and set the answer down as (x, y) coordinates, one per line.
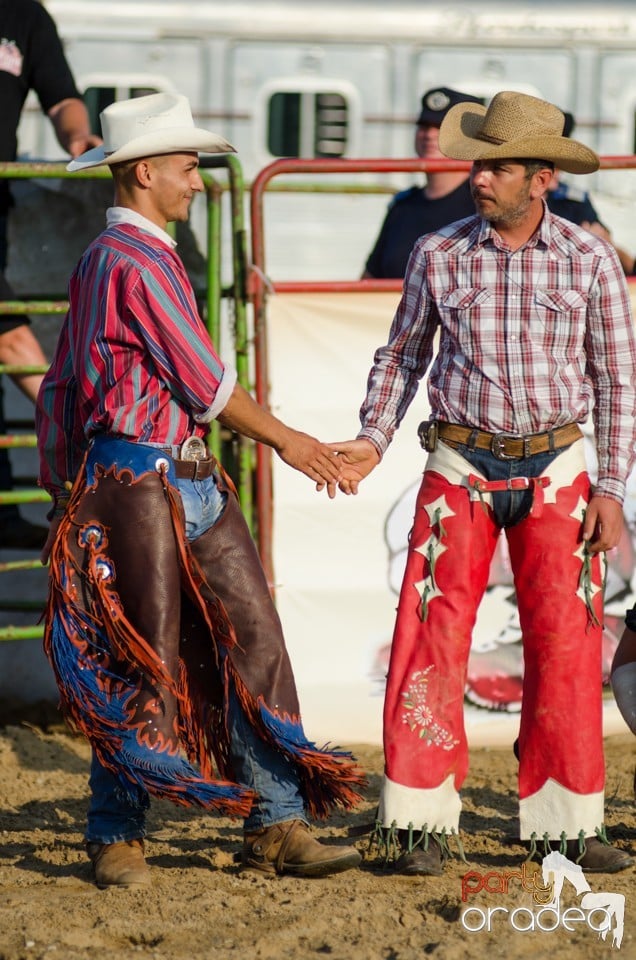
(538, 497)
(551, 445)
(471, 443)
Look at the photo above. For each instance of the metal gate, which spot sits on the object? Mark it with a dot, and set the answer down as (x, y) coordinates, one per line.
(235, 452)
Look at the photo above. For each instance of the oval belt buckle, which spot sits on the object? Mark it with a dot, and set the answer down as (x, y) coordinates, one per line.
(498, 447)
(194, 448)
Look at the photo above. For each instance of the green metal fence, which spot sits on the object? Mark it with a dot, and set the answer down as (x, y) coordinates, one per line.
(236, 453)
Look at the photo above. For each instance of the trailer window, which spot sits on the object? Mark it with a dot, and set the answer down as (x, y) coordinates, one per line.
(307, 124)
(97, 98)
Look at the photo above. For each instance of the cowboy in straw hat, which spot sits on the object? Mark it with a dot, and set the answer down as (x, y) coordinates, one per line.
(513, 125)
(144, 525)
(530, 316)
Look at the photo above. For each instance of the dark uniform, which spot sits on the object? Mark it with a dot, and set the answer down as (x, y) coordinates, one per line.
(31, 58)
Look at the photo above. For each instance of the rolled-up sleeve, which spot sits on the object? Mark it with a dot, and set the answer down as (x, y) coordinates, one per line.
(223, 394)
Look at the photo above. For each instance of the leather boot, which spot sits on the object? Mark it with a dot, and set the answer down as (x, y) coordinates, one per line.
(420, 862)
(288, 848)
(598, 857)
(119, 864)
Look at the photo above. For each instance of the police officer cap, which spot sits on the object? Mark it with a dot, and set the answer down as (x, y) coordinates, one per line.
(437, 102)
(568, 126)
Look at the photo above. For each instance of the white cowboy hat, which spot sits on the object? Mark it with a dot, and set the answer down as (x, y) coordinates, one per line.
(147, 127)
(514, 125)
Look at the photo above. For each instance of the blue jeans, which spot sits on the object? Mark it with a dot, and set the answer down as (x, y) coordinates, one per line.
(509, 506)
(113, 817)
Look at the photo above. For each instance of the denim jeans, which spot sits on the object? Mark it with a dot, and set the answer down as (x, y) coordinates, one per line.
(509, 506)
(113, 817)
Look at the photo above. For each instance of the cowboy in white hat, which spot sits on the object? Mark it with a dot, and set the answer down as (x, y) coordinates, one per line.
(149, 126)
(535, 332)
(160, 627)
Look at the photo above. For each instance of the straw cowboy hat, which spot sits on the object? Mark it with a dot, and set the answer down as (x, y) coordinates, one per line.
(147, 127)
(513, 125)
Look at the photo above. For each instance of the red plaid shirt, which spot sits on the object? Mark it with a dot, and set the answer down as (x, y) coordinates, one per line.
(528, 340)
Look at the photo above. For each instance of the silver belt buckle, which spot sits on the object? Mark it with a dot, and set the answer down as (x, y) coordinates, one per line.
(498, 447)
(194, 448)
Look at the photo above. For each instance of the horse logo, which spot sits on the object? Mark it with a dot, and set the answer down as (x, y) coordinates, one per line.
(556, 869)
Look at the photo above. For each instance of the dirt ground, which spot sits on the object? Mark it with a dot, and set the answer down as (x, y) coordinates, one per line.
(202, 906)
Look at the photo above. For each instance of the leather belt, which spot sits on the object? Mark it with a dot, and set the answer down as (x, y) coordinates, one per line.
(506, 447)
(193, 469)
(191, 460)
(535, 484)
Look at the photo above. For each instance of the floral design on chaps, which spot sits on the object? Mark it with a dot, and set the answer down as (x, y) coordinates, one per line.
(419, 716)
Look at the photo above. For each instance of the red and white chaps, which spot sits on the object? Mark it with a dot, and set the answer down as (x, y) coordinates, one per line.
(559, 595)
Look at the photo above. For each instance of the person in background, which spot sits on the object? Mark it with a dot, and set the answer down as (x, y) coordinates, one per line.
(418, 210)
(535, 332)
(31, 58)
(575, 205)
(160, 626)
(623, 673)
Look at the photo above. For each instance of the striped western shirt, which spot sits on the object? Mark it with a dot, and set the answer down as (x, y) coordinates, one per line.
(133, 358)
(528, 340)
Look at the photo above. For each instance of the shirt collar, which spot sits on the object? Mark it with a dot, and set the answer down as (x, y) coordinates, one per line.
(541, 237)
(126, 215)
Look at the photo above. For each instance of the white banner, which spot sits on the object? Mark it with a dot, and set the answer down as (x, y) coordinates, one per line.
(338, 564)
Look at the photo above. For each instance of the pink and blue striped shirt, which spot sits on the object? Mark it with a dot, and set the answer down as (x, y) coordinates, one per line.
(133, 359)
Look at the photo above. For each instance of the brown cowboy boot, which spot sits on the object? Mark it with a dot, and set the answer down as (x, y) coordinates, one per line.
(119, 864)
(421, 861)
(598, 857)
(288, 848)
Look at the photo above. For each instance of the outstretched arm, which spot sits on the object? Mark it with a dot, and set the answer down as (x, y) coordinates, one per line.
(357, 459)
(299, 450)
(19, 348)
(72, 126)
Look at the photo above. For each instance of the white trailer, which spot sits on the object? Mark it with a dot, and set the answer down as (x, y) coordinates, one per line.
(327, 78)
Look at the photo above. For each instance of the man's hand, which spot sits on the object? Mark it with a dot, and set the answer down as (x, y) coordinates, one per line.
(311, 457)
(244, 415)
(603, 524)
(48, 546)
(72, 126)
(357, 459)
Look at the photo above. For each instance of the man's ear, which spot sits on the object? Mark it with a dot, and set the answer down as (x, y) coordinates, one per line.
(143, 172)
(540, 182)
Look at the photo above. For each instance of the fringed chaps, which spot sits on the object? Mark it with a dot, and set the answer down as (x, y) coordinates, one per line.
(148, 634)
(559, 594)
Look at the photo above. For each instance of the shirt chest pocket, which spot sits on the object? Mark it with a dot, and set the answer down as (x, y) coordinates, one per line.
(559, 319)
(466, 312)
(561, 301)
